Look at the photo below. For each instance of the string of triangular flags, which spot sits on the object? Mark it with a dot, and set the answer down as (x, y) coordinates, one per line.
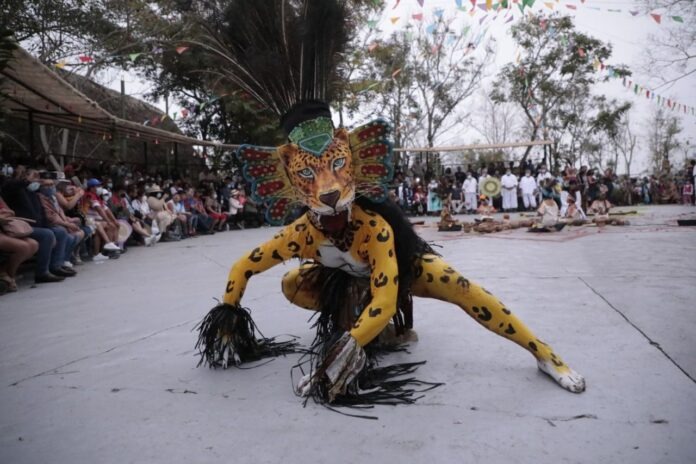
(489, 6)
(636, 88)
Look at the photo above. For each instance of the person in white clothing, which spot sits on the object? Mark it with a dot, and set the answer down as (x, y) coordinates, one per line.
(509, 184)
(470, 189)
(528, 188)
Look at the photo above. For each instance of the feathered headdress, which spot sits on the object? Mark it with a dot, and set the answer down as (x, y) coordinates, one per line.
(285, 54)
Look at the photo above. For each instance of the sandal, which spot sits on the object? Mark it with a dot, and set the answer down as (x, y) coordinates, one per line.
(9, 283)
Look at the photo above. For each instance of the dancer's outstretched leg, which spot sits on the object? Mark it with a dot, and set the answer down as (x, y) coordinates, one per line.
(436, 279)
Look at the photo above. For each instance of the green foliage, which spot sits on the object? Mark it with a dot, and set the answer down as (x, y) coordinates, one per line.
(552, 84)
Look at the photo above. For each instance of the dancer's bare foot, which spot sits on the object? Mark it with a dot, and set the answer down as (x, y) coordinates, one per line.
(564, 376)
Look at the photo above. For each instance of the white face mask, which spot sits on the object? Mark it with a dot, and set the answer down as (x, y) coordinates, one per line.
(100, 191)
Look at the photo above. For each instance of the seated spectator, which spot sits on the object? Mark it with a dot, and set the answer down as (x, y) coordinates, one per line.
(236, 210)
(100, 218)
(178, 210)
(17, 250)
(123, 211)
(68, 197)
(212, 207)
(57, 219)
(156, 204)
(21, 195)
(192, 218)
(205, 222)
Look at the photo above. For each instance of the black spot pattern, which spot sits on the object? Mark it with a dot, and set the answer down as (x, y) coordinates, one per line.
(357, 323)
(444, 278)
(381, 280)
(482, 313)
(428, 260)
(396, 280)
(374, 312)
(300, 227)
(510, 330)
(462, 282)
(294, 246)
(533, 346)
(373, 223)
(448, 270)
(391, 253)
(383, 236)
(309, 240)
(506, 311)
(256, 255)
(248, 274)
(230, 286)
(486, 291)
(276, 255)
(429, 277)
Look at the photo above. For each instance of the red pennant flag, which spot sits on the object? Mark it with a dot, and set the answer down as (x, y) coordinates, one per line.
(418, 17)
(85, 59)
(656, 17)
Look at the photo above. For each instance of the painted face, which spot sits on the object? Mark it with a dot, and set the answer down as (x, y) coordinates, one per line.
(325, 182)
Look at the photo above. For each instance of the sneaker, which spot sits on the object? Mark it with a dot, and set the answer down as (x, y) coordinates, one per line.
(158, 237)
(111, 246)
(77, 261)
(149, 241)
(68, 264)
(47, 278)
(100, 257)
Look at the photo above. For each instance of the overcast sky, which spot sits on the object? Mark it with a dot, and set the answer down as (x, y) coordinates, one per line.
(629, 36)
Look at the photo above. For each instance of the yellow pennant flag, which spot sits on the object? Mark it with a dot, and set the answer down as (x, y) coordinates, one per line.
(549, 5)
(394, 19)
(60, 64)
(489, 4)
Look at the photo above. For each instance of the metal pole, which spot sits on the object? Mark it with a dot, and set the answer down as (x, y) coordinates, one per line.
(123, 116)
(31, 134)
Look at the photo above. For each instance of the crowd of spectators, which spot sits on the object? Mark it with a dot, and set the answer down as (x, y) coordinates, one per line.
(55, 221)
(522, 187)
(95, 214)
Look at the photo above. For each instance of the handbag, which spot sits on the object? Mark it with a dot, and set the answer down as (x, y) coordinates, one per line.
(15, 227)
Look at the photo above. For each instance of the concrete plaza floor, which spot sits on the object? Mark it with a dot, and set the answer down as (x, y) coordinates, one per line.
(101, 368)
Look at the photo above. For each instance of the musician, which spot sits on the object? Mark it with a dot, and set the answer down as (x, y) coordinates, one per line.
(470, 188)
(509, 183)
(528, 188)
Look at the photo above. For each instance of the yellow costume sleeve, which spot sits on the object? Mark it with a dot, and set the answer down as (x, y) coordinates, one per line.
(291, 242)
(378, 247)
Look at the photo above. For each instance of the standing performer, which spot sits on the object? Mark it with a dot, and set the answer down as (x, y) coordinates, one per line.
(528, 188)
(470, 188)
(509, 184)
(361, 260)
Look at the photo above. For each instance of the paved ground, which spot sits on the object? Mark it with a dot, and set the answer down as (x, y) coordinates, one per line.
(101, 368)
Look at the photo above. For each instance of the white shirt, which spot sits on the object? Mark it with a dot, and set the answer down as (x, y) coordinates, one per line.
(469, 185)
(509, 181)
(528, 185)
(542, 176)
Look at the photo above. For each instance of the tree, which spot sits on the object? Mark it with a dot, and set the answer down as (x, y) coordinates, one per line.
(552, 81)
(662, 140)
(499, 122)
(671, 55)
